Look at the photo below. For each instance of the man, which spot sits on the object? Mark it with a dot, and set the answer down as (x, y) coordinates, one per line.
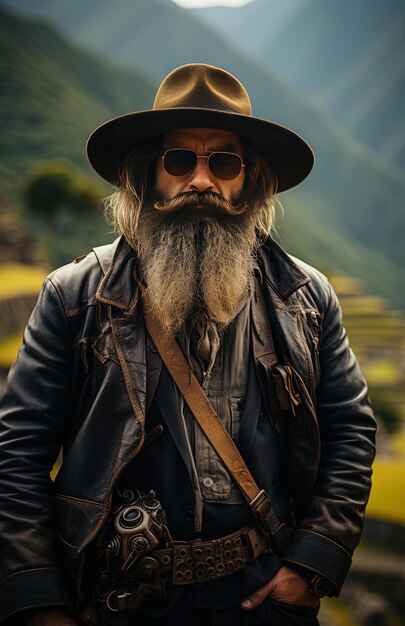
(158, 529)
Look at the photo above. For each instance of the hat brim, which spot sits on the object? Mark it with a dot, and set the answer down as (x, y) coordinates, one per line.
(288, 154)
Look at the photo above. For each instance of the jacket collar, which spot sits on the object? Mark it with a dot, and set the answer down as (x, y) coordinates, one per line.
(282, 274)
(119, 286)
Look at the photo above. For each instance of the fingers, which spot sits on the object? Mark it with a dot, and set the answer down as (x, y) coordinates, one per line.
(257, 597)
(286, 586)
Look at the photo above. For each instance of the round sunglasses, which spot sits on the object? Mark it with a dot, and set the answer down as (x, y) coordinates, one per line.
(223, 165)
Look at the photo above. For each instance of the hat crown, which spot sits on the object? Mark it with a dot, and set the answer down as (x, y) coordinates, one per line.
(198, 85)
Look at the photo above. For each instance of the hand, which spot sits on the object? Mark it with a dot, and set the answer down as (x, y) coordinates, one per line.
(286, 586)
(50, 616)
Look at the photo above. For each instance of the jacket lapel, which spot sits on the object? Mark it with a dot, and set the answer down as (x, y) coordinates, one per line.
(119, 290)
(123, 317)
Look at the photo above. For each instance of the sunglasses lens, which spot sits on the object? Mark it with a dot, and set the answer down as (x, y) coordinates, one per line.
(179, 162)
(225, 165)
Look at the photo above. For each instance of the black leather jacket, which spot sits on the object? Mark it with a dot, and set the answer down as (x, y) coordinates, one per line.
(80, 382)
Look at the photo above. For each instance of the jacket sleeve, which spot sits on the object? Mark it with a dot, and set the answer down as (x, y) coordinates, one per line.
(33, 409)
(332, 522)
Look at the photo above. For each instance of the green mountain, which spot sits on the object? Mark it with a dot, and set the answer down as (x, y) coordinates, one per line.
(56, 93)
(53, 95)
(347, 56)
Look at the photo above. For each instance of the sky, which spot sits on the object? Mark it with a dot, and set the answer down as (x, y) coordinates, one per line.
(210, 3)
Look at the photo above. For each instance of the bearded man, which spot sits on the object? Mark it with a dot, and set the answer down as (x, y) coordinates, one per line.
(149, 359)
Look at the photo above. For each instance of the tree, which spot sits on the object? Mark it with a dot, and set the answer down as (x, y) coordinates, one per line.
(61, 211)
(56, 185)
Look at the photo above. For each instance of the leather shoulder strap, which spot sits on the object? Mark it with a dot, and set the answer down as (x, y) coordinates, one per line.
(199, 404)
(173, 358)
(265, 352)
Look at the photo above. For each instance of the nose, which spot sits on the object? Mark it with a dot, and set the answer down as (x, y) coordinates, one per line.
(201, 177)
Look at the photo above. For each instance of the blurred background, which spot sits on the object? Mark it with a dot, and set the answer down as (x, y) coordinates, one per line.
(334, 71)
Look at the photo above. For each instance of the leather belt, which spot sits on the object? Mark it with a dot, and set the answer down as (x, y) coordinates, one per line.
(198, 561)
(188, 563)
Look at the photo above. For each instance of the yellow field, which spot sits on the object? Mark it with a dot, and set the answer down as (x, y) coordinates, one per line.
(17, 279)
(399, 441)
(387, 498)
(9, 349)
(383, 372)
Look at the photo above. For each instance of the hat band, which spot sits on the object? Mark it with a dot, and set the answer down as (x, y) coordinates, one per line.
(198, 106)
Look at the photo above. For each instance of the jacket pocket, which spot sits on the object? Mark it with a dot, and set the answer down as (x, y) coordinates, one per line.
(103, 346)
(77, 520)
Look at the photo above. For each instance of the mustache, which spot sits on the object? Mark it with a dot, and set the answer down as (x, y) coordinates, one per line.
(209, 199)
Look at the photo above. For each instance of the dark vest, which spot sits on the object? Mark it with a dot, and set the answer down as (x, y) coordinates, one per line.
(164, 466)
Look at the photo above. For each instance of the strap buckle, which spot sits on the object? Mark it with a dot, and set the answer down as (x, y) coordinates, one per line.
(261, 506)
(278, 533)
(257, 541)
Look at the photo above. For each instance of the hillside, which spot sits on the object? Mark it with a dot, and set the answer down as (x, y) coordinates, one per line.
(358, 78)
(53, 95)
(56, 93)
(348, 57)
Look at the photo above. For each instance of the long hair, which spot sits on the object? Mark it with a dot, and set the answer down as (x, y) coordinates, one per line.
(136, 176)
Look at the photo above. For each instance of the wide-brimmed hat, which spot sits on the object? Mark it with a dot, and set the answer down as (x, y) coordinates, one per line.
(201, 96)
